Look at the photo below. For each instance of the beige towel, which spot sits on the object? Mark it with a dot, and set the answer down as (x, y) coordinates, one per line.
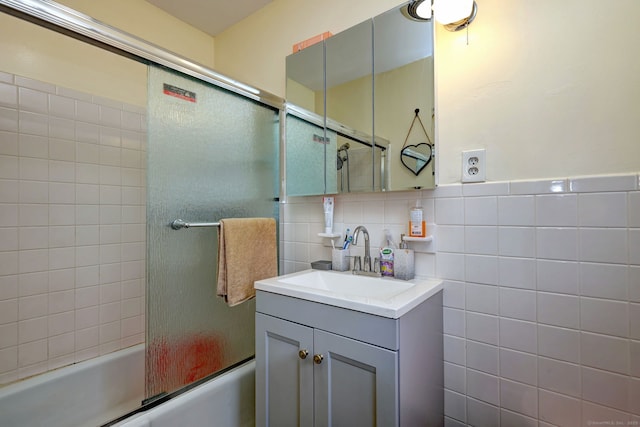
(246, 252)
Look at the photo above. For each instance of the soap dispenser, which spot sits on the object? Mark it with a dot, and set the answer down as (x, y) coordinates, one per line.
(417, 226)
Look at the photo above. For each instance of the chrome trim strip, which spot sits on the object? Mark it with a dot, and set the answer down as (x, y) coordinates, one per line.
(76, 22)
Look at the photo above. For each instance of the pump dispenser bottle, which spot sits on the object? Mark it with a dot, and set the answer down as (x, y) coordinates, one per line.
(417, 227)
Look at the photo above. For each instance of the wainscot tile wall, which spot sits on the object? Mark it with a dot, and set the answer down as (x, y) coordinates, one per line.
(72, 226)
(542, 292)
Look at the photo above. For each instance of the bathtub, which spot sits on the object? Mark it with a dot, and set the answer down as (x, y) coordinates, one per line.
(225, 401)
(88, 393)
(100, 390)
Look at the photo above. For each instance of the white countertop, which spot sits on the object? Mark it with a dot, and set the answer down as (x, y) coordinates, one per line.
(381, 296)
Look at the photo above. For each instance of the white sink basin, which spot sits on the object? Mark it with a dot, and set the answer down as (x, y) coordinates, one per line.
(375, 295)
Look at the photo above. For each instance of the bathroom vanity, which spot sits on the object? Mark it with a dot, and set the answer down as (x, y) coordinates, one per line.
(333, 349)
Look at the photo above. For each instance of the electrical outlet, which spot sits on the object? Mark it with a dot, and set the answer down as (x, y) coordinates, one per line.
(474, 166)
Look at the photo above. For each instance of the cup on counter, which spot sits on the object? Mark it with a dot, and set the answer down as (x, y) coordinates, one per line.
(404, 264)
(340, 259)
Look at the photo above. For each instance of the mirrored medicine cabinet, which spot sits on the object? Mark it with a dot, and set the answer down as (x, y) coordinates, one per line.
(360, 109)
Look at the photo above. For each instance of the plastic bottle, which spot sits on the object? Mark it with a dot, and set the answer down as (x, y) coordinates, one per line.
(417, 226)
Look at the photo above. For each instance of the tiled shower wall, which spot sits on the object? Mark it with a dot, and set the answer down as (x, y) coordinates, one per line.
(72, 226)
(542, 293)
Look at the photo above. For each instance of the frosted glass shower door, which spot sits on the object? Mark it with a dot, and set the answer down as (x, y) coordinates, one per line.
(212, 155)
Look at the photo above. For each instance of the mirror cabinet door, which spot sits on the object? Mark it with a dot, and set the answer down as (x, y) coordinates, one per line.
(349, 95)
(307, 158)
(358, 92)
(403, 70)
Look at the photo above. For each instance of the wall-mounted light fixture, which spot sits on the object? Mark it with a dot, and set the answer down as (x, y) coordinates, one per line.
(418, 10)
(455, 15)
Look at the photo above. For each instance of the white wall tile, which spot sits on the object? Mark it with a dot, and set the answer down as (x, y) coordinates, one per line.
(604, 316)
(454, 349)
(518, 304)
(634, 397)
(32, 100)
(454, 377)
(449, 211)
(519, 366)
(519, 398)
(481, 269)
(508, 418)
(557, 210)
(483, 387)
(540, 186)
(605, 388)
(634, 246)
(517, 272)
(561, 377)
(604, 281)
(634, 321)
(593, 414)
(481, 211)
(559, 343)
(33, 124)
(481, 414)
(482, 298)
(635, 358)
(482, 357)
(605, 352)
(482, 327)
(559, 409)
(62, 171)
(602, 210)
(61, 128)
(608, 245)
(450, 266)
(518, 335)
(634, 209)
(486, 189)
(593, 184)
(9, 167)
(559, 310)
(557, 243)
(450, 238)
(557, 276)
(455, 405)
(517, 241)
(482, 240)
(32, 146)
(453, 294)
(516, 211)
(453, 322)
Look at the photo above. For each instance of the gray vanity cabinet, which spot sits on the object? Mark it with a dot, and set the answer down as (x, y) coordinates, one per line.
(321, 365)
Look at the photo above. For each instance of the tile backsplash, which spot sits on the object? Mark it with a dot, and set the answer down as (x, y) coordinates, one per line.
(72, 226)
(541, 292)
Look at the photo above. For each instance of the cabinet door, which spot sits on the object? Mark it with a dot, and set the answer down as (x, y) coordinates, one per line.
(284, 380)
(356, 384)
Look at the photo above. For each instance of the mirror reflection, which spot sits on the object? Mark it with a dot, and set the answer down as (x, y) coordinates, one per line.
(370, 78)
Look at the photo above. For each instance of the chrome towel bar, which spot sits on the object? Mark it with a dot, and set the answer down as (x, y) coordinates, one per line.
(179, 224)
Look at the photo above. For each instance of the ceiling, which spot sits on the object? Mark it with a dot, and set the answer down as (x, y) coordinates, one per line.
(210, 16)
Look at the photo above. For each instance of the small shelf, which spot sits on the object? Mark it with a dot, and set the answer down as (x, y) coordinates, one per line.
(425, 239)
(330, 235)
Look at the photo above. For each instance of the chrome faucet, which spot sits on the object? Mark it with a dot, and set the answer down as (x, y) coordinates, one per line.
(366, 265)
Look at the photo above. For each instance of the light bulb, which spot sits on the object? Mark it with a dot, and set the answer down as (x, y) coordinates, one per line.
(424, 10)
(450, 11)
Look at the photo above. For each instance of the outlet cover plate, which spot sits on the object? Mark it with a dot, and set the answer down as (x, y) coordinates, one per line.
(474, 165)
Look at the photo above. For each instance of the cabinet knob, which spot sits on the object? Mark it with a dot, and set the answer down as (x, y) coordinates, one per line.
(303, 354)
(317, 358)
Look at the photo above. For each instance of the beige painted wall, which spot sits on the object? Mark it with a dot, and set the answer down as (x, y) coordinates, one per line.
(254, 50)
(549, 88)
(32, 51)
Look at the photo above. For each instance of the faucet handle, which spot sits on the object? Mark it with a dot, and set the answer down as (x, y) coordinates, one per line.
(357, 263)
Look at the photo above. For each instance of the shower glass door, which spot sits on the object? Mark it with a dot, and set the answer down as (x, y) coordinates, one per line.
(212, 154)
